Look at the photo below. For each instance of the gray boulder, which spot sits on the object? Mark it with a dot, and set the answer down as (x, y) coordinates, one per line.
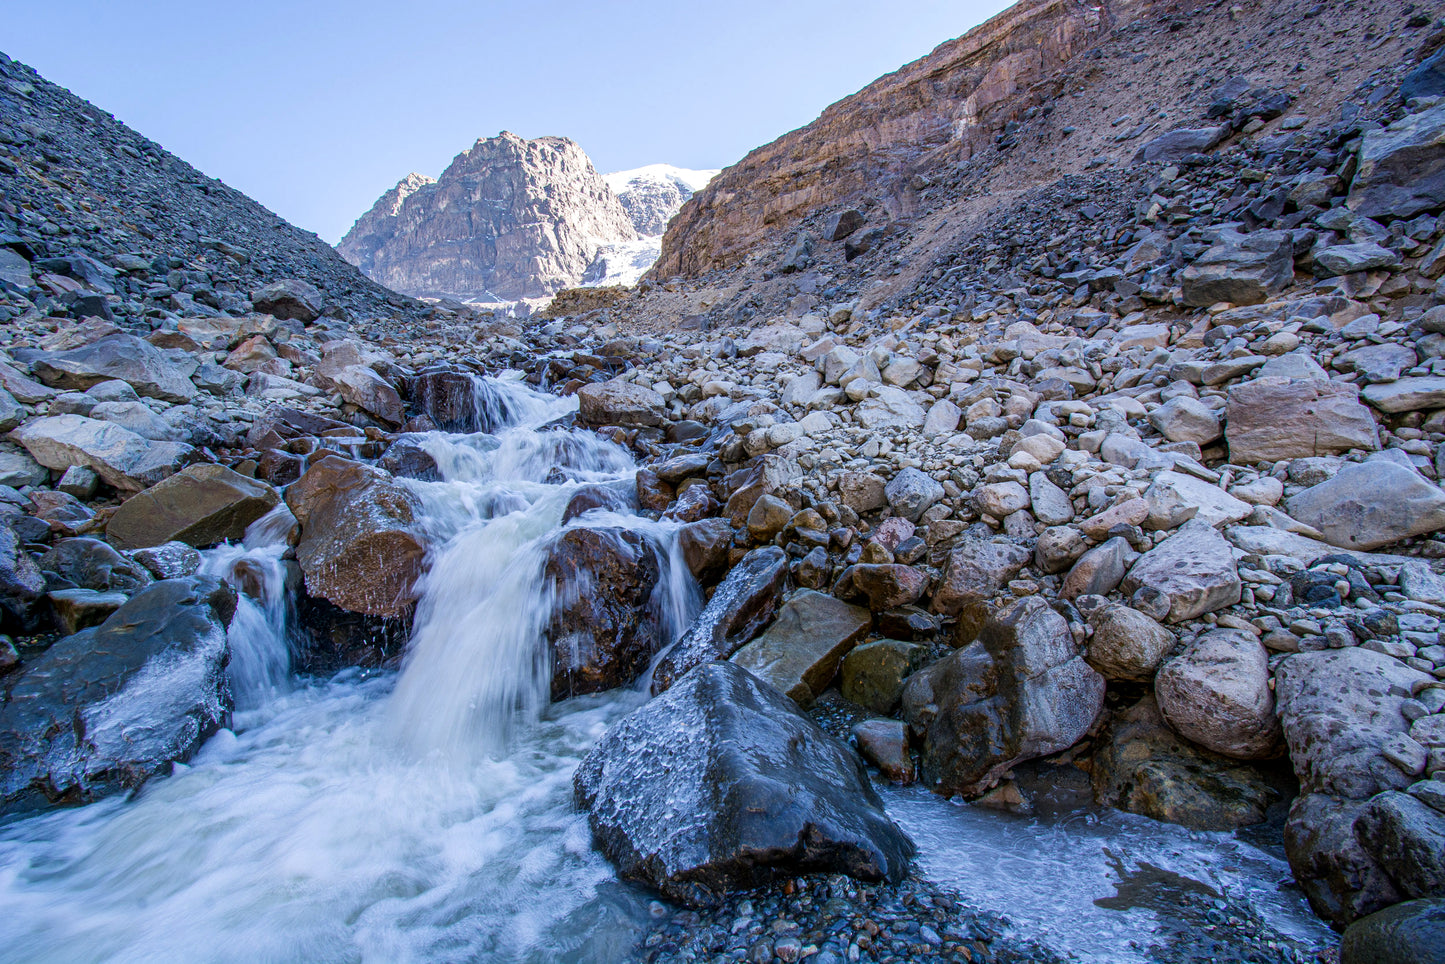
(1216, 693)
(620, 403)
(1371, 504)
(1401, 168)
(289, 298)
(1407, 394)
(1185, 419)
(911, 493)
(1019, 692)
(1409, 933)
(1349, 258)
(110, 707)
(120, 457)
(1127, 644)
(722, 784)
(1194, 568)
(1407, 839)
(126, 357)
(1270, 419)
(1244, 269)
(1179, 143)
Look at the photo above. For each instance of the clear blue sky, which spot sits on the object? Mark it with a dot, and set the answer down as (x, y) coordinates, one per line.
(314, 108)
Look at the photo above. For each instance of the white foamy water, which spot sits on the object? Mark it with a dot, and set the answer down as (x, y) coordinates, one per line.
(1046, 872)
(419, 816)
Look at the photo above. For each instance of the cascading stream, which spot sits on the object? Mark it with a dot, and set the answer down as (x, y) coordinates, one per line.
(419, 815)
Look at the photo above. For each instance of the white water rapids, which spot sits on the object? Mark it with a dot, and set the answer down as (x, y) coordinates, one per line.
(426, 814)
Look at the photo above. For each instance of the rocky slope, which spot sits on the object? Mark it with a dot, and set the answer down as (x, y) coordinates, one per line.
(1132, 473)
(508, 219)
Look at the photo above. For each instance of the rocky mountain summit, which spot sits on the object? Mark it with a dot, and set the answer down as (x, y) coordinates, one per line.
(651, 195)
(1122, 476)
(508, 219)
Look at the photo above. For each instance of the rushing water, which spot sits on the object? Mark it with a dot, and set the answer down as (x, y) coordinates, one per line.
(426, 814)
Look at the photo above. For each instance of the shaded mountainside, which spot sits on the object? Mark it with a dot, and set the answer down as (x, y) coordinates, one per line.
(75, 179)
(508, 219)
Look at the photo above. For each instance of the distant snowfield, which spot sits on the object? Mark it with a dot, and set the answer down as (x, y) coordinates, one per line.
(626, 263)
(693, 181)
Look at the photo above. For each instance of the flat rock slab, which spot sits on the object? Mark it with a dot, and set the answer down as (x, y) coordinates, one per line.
(721, 784)
(126, 357)
(798, 655)
(200, 505)
(1371, 504)
(1268, 419)
(119, 456)
(1407, 394)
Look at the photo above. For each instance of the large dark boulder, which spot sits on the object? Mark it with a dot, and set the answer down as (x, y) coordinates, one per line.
(1408, 933)
(603, 631)
(92, 564)
(1407, 839)
(21, 583)
(721, 783)
(740, 607)
(1020, 691)
(108, 708)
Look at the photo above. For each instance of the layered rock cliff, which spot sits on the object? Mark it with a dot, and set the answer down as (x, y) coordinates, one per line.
(944, 103)
(508, 219)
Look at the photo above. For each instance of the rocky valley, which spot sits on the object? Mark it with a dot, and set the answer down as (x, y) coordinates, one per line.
(1022, 481)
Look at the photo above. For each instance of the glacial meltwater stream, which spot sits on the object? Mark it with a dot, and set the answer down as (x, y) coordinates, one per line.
(427, 815)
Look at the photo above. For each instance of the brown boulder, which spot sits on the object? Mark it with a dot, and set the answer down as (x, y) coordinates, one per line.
(359, 547)
(200, 505)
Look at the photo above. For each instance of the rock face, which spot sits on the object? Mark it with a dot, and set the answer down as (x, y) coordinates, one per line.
(722, 784)
(200, 505)
(948, 98)
(1019, 692)
(508, 219)
(108, 708)
(359, 548)
(602, 632)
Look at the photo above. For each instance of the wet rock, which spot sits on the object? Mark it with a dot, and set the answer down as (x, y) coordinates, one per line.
(884, 743)
(977, 570)
(173, 560)
(620, 403)
(1274, 418)
(1409, 933)
(739, 609)
(873, 674)
(359, 546)
(1194, 568)
(1407, 839)
(21, 582)
(798, 655)
(1371, 504)
(92, 564)
(406, 458)
(1127, 644)
(883, 585)
(368, 391)
(603, 632)
(1243, 269)
(1216, 693)
(1141, 766)
(200, 505)
(124, 357)
(1019, 692)
(120, 457)
(722, 784)
(1401, 168)
(705, 545)
(107, 708)
(289, 298)
(77, 609)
